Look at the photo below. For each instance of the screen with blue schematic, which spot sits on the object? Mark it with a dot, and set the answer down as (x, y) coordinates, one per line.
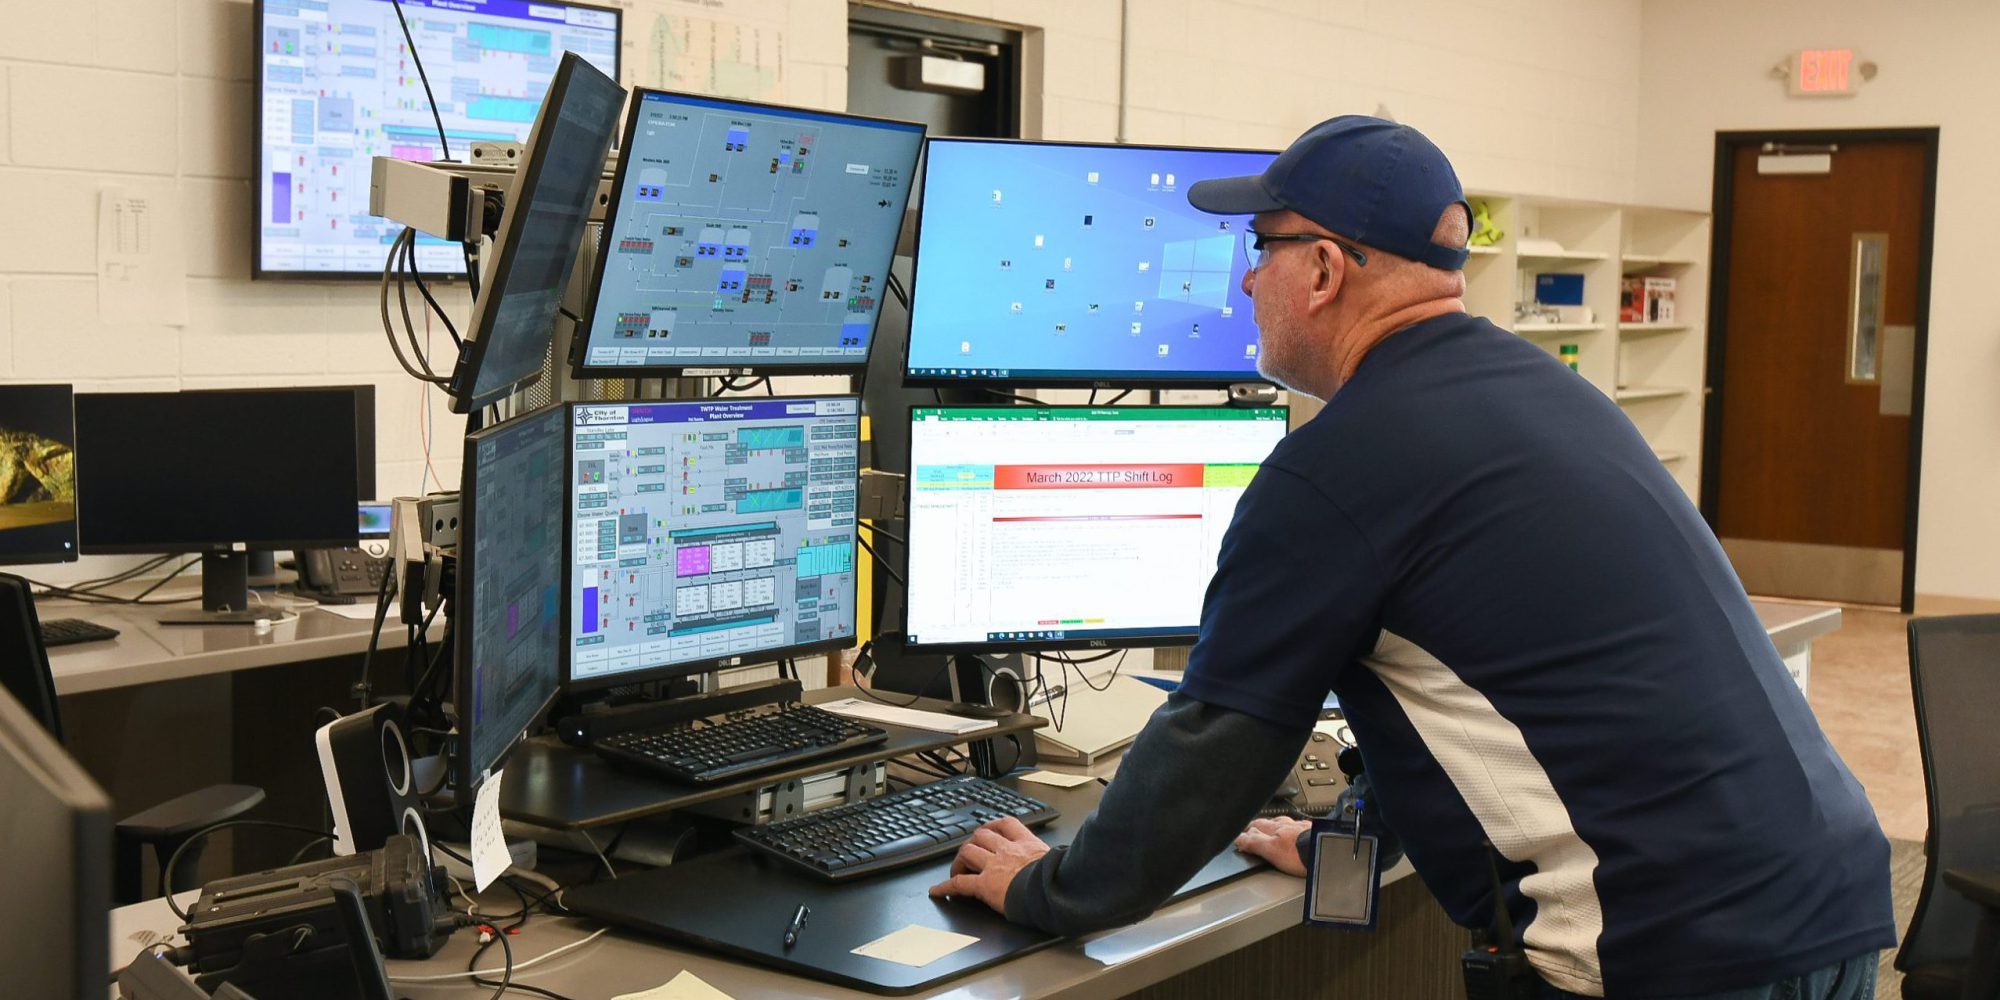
(748, 236)
(338, 88)
(709, 531)
(510, 584)
(1056, 263)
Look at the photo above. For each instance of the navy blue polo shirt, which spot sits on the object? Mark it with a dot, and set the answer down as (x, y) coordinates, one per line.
(1539, 644)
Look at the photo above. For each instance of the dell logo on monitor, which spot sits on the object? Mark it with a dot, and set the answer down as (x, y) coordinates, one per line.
(1098, 643)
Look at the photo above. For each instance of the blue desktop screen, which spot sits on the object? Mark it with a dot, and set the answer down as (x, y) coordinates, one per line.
(338, 88)
(1056, 263)
(748, 236)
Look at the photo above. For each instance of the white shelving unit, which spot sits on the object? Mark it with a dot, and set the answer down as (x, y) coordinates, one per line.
(1653, 370)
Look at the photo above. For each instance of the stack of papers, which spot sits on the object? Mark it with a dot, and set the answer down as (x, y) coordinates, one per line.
(895, 715)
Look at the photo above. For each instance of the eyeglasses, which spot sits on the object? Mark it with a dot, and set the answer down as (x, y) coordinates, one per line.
(1257, 246)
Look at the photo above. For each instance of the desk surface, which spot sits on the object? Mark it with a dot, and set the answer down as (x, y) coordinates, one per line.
(1178, 937)
(1793, 625)
(146, 651)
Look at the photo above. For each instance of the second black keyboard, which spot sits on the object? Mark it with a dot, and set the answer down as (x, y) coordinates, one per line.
(65, 631)
(893, 830)
(706, 751)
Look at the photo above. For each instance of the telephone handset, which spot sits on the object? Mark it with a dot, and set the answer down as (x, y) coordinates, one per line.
(1315, 784)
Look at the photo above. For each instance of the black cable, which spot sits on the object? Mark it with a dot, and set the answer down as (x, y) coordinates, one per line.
(885, 533)
(1113, 401)
(730, 383)
(167, 870)
(443, 145)
(362, 690)
(884, 563)
(1077, 661)
(506, 967)
(91, 597)
(403, 302)
(424, 289)
(300, 854)
(89, 588)
(389, 268)
(896, 288)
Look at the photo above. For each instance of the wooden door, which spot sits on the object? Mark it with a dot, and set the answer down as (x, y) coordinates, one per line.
(1812, 491)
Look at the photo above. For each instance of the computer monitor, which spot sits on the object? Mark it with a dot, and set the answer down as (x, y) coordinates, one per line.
(337, 87)
(37, 474)
(508, 615)
(56, 866)
(746, 237)
(1070, 527)
(1052, 264)
(541, 231)
(220, 473)
(709, 533)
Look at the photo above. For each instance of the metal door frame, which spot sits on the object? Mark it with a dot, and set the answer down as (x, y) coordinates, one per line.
(1726, 146)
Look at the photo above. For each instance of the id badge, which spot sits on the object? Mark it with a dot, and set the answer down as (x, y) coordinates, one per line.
(1343, 877)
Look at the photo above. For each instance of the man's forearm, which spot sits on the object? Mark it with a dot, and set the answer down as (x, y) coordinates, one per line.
(1187, 786)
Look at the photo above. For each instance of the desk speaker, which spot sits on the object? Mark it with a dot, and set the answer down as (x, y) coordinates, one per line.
(370, 780)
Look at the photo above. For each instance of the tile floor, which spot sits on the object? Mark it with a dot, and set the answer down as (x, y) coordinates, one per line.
(1860, 690)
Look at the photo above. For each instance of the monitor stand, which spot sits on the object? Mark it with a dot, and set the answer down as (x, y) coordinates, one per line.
(225, 594)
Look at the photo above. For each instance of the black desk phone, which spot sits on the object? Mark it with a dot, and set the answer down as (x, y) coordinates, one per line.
(348, 571)
(1316, 781)
(354, 571)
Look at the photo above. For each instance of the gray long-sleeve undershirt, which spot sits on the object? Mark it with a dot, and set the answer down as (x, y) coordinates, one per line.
(1193, 779)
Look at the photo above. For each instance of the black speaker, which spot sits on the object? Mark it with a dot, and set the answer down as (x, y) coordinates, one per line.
(999, 680)
(371, 780)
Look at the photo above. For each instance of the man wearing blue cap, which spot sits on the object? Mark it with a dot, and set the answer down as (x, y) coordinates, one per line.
(1548, 664)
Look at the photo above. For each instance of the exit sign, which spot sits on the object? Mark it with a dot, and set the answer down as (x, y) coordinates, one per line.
(1822, 73)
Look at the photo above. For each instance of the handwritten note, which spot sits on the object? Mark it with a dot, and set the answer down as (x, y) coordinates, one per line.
(489, 846)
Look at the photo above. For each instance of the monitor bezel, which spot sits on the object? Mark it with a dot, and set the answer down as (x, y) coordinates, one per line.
(49, 557)
(1082, 380)
(89, 548)
(687, 668)
(1099, 643)
(257, 270)
(580, 338)
(460, 391)
(463, 774)
(63, 781)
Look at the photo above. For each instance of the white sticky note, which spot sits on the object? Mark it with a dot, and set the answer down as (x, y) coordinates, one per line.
(915, 945)
(489, 845)
(686, 986)
(1056, 779)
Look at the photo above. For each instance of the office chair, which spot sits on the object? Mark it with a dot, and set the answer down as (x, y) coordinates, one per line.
(1952, 950)
(24, 670)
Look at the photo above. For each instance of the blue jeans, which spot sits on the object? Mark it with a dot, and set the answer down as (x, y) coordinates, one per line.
(1853, 979)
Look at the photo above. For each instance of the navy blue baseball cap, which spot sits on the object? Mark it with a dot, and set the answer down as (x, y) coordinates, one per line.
(1368, 179)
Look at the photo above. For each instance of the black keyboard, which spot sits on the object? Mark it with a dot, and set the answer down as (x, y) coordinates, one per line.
(896, 829)
(705, 751)
(64, 631)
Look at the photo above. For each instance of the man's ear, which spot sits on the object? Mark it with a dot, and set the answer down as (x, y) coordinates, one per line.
(1329, 273)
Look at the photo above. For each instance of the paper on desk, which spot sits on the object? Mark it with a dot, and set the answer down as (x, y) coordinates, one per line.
(896, 715)
(141, 262)
(358, 612)
(686, 986)
(490, 856)
(1057, 779)
(915, 945)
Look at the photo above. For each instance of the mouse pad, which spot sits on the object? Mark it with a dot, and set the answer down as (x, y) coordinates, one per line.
(738, 903)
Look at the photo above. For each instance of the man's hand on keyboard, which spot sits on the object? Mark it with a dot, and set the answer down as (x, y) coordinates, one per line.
(986, 864)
